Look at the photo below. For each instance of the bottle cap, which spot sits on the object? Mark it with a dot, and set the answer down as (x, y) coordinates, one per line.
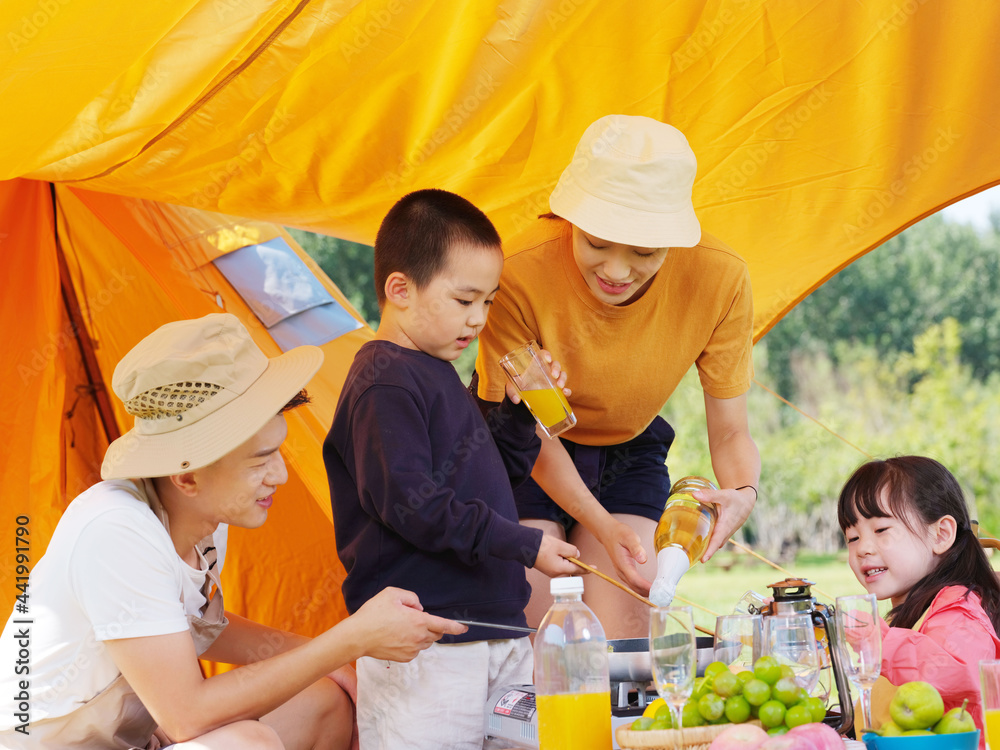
(570, 585)
(671, 563)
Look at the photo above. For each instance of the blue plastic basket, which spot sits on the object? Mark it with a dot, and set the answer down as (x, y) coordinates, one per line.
(961, 741)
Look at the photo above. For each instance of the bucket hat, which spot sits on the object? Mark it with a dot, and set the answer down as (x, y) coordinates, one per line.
(630, 182)
(198, 389)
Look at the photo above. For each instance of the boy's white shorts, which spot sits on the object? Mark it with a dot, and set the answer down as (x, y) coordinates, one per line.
(438, 700)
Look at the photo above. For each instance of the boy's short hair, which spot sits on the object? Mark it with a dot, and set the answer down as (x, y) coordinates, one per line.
(417, 233)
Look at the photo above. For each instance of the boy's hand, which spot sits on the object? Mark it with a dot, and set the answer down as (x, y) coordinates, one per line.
(555, 373)
(397, 628)
(551, 559)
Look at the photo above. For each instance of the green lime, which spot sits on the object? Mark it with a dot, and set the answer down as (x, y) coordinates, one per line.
(737, 709)
(727, 685)
(711, 706)
(663, 713)
(691, 716)
(772, 713)
(775, 731)
(642, 723)
(660, 724)
(797, 715)
(757, 692)
(786, 691)
(716, 667)
(767, 669)
(817, 709)
(745, 676)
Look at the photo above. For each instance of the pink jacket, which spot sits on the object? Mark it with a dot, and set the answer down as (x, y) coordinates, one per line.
(952, 638)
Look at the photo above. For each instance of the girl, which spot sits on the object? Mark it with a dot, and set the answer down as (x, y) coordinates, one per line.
(909, 540)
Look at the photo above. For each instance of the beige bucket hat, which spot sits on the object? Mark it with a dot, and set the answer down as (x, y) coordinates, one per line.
(630, 182)
(198, 389)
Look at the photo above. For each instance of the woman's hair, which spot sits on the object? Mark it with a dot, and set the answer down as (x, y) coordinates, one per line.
(921, 490)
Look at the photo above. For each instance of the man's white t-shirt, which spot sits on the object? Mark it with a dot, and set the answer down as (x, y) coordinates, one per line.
(110, 571)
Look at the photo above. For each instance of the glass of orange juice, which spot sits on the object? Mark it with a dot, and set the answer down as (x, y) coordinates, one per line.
(989, 676)
(529, 373)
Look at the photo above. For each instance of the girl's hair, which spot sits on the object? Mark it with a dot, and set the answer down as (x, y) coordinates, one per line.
(921, 490)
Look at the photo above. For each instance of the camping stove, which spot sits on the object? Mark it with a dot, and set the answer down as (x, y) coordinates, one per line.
(511, 718)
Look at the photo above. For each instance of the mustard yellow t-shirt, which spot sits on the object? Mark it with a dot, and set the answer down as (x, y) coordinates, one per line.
(623, 362)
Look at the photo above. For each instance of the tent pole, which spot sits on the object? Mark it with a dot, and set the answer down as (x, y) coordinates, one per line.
(72, 304)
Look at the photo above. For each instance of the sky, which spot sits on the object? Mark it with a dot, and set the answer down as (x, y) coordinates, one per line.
(975, 209)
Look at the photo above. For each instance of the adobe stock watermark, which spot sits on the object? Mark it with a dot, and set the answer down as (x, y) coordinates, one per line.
(704, 37)
(375, 22)
(784, 128)
(251, 153)
(454, 119)
(912, 170)
(901, 14)
(41, 357)
(31, 24)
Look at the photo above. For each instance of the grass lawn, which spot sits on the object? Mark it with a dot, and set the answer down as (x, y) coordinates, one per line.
(715, 588)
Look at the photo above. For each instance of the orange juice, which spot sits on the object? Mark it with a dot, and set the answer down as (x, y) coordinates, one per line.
(687, 524)
(574, 721)
(549, 405)
(992, 726)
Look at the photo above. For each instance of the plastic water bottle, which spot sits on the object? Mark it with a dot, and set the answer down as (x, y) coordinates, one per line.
(573, 693)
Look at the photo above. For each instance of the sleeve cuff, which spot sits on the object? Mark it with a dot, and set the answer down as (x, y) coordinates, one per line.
(512, 541)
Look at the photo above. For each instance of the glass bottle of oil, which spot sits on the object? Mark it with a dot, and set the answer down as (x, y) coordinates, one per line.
(681, 536)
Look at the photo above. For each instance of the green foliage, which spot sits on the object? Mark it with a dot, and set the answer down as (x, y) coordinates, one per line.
(350, 265)
(885, 300)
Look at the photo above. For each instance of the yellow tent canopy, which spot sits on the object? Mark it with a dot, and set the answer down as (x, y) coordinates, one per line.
(821, 129)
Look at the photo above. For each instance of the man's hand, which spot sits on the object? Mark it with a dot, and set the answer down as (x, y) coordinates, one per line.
(551, 559)
(625, 550)
(397, 628)
(734, 508)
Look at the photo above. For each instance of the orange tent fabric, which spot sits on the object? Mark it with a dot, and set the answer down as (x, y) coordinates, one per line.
(821, 130)
(134, 265)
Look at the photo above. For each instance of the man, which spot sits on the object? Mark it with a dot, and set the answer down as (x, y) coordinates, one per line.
(122, 602)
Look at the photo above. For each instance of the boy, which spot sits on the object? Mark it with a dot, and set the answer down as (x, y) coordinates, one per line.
(421, 484)
(122, 602)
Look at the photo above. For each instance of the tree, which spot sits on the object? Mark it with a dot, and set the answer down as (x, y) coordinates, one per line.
(350, 265)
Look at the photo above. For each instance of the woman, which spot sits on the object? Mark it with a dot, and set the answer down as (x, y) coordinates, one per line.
(620, 284)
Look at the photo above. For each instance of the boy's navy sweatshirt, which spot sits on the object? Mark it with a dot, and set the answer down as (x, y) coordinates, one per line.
(421, 490)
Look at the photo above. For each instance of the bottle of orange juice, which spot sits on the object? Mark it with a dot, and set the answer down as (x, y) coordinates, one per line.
(681, 536)
(573, 693)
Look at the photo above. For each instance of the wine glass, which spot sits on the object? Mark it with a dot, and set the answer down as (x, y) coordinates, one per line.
(791, 640)
(673, 657)
(861, 646)
(738, 640)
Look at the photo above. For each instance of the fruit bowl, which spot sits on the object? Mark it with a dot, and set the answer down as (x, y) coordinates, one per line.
(960, 741)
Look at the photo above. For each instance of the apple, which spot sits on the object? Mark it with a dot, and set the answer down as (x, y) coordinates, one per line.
(917, 733)
(916, 705)
(890, 729)
(818, 735)
(739, 737)
(956, 721)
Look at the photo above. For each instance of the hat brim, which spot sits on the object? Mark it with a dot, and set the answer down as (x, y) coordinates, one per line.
(199, 444)
(627, 226)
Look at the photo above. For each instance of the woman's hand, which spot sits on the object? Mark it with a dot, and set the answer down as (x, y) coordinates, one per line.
(625, 550)
(556, 374)
(734, 508)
